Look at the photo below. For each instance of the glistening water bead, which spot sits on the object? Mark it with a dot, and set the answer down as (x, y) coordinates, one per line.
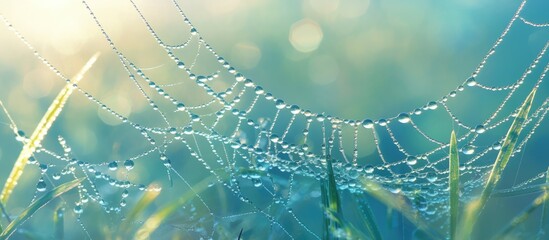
(471, 82)
(128, 164)
(113, 166)
(404, 118)
(41, 185)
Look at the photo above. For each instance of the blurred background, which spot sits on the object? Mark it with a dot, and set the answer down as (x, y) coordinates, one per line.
(350, 58)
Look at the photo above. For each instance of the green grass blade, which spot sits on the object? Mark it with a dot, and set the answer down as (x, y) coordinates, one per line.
(473, 209)
(454, 185)
(332, 204)
(36, 205)
(59, 223)
(41, 130)
(521, 218)
(144, 202)
(325, 205)
(368, 219)
(154, 221)
(397, 202)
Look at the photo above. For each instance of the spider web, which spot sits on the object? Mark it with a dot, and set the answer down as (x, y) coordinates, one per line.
(207, 120)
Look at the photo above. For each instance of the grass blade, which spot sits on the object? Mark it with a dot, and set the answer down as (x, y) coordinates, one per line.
(454, 185)
(59, 223)
(397, 202)
(136, 211)
(41, 130)
(154, 221)
(368, 219)
(474, 208)
(521, 191)
(521, 218)
(36, 205)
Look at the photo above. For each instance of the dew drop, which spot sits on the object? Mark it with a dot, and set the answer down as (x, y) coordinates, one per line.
(194, 31)
(188, 130)
(369, 169)
(471, 82)
(294, 109)
(431, 177)
(41, 185)
(78, 209)
(239, 77)
(411, 160)
(280, 104)
(56, 176)
(113, 166)
(129, 164)
(468, 150)
(368, 123)
(43, 167)
(432, 105)
(259, 90)
(382, 122)
(404, 118)
(181, 107)
(181, 64)
(480, 129)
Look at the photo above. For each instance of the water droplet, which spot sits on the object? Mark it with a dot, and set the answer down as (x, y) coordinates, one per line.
(257, 182)
(41, 185)
(128, 164)
(368, 123)
(411, 160)
(280, 104)
(496, 146)
(294, 109)
(432, 105)
(188, 130)
(369, 169)
(181, 107)
(193, 31)
(259, 90)
(480, 129)
(431, 177)
(353, 173)
(382, 122)
(181, 64)
(56, 176)
(78, 209)
(468, 150)
(201, 79)
(113, 166)
(239, 77)
(471, 82)
(125, 193)
(404, 118)
(43, 167)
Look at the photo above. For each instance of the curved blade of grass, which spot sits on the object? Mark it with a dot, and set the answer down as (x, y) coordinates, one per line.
(521, 218)
(59, 223)
(136, 211)
(454, 185)
(368, 218)
(332, 204)
(397, 202)
(41, 130)
(154, 221)
(474, 208)
(36, 205)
